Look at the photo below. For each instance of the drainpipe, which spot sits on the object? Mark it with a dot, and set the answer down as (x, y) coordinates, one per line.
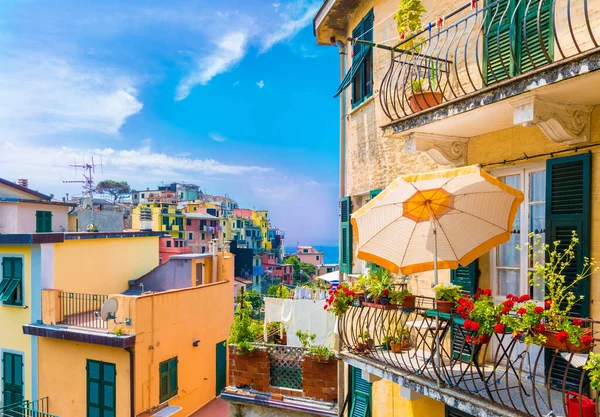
(131, 351)
(342, 51)
(215, 247)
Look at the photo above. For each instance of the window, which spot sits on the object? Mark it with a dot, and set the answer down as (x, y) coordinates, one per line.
(143, 196)
(12, 377)
(362, 61)
(101, 384)
(317, 257)
(188, 222)
(203, 236)
(43, 221)
(11, 286)
(168, 379)
(512, 265)
(203, 249)
(191, 236)
(168, 243)
(512, 46)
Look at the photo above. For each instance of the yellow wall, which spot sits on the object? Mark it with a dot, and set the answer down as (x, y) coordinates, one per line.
(103, 266)
(62, 375)
(170, 322)
(387, 402)
(13, 318)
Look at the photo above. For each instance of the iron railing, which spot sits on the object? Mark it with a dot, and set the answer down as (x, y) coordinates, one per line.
(286, 366)
(37, 408)
(529, 380)
(483, 46)
(79, 310)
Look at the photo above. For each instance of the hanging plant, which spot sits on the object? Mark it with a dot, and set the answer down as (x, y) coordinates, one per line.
(409, 21)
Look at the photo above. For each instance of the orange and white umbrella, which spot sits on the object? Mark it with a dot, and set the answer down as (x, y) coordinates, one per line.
(434, 220)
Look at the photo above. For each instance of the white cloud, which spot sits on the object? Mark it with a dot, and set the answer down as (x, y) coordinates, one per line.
(42, 94)
(229, 51)
(260, 84)
(217, 138)
(276, 6)
(289, 28)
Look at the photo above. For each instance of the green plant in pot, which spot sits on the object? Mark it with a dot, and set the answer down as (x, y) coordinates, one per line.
(386, 342)
(365, 342)
(408, 19)
(381, 286)
(424, 92)
(321, 353)
(403, 298)
(446, 296)
(244, 331)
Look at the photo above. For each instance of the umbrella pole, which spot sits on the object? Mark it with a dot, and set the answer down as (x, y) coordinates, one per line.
(437, 316)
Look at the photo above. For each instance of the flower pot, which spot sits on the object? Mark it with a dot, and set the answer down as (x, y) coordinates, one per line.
(444, 306)
(370, 344)
(552, 342)
(369, 298)
(422, 101)
(580, 405)
(384, 301)
(360, 347)
(405, 345)
(396, 347)
(384, 346)
(408, 303)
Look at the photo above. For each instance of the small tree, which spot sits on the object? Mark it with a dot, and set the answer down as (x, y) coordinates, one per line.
(116, 189)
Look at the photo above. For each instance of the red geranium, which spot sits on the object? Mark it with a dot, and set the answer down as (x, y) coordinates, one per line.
(385, 292)
(577, 322)
(506, 310)
(524, 298)
(509, 297)
(562, 336)
(517, 335)
(484, 338)
(586, 339)
(548, 303)
(509, 303)
(540, 328)
(499, 328)
(522, 311)
(538, 310)
(487, 292)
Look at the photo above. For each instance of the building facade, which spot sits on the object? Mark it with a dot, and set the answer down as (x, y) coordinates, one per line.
(502, 85)
(309, 255)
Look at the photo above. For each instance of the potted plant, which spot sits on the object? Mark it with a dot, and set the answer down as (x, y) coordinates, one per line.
(446, 296)
(386, 342)
(396, 345)
(244, 330)
(339, 300)
(366, 343)
(550, 325)
(359, 287)
(320, 353)
(404, 298)
(423, 97)
(481, 316)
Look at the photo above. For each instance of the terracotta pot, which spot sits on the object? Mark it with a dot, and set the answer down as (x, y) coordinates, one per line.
(552, 342)
(396, 347)
(408, 303)
(445, 306)
(405, 345)
(361, 347)
(370, 344)
(422, 101)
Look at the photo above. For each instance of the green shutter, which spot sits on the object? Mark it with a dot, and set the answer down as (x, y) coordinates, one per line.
(48, 222)
(568, 191)
(101, 389)
(43, 221)
(39, 221)
(361, 392)
(498, 58)
(466, 277)
(533, 43)
(221, 359)
(12, 278)
(455, 412)
(374, 193)
(168, 379)
(12, 372)
(345, 235)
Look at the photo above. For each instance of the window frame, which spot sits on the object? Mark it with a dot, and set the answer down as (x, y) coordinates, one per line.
(19, 288)
(524, 216)
(170, 370)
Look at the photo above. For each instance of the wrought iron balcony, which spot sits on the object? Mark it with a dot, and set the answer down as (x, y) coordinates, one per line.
(37, 408)
(80, 310)
(482, 45)
(504, 373)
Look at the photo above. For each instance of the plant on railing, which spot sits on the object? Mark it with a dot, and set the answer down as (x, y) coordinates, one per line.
(403, 298)
(481, 316)
(379, 286)
(446, 296)
(408, 18)
(339, 300)
(320, 352)
(278, 291)
(550, 326)
(244, 331)
(401, 342)
(593, 367)
(366, 343)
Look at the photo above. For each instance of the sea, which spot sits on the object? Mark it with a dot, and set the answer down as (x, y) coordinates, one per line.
(331, 254)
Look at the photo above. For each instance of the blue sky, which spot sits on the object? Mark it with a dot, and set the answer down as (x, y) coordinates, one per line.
(233, 96)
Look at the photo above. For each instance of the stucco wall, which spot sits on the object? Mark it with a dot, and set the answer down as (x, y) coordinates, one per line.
(388, 393)
(106, 221)
(103, 265)
(8, 215)
(174, 274)
(250, 410)
(20, 217)
(62, 373)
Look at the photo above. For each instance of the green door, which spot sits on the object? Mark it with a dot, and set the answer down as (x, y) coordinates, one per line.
(221, 367)
(12, 378)
(361, 394)
(101, 396)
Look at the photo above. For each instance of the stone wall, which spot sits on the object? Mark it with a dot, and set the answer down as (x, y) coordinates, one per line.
(106, 221)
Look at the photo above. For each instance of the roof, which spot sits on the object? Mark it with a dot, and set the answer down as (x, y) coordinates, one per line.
(25, 189)
(202, 216)
(243, 281)
(191, 255)
(44, 202)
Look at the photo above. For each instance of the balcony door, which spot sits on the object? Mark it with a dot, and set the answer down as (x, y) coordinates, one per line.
(12, 378)
(101, 395)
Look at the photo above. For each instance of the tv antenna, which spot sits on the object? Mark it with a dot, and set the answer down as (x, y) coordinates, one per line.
(89, 169)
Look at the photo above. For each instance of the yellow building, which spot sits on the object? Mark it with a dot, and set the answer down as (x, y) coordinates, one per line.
(260, 218)
(81, 262)
(165, 218)
(152, 354)
(473, 87)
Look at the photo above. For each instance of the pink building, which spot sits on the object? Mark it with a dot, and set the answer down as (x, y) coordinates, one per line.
(243, 213)
(309, 255)
(169, 246)
(200, 229)
(277, 270)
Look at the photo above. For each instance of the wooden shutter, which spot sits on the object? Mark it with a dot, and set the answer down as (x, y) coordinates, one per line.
(173, 386)
(101, 389)
(12, 277)
(361, 394)
(465, 276)
(374, 193)
(39, 221)
(533, 43)
(498, 59)
(48, 222)
(345, 235)
(12, 371)
(221, 379)
(568, 190)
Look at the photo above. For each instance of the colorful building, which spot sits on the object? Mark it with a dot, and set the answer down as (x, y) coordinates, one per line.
(488, 93)
(78, 262)
(165, 218)
(309, 255)
(200, 230)
(276, 270)
(23, 210)
(261, 219)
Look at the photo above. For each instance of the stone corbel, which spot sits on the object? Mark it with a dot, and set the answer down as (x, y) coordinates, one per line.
(445, 150)
(560, 122)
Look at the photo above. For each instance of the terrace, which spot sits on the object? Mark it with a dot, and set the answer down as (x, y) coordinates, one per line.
(37, 408)
(504, 377)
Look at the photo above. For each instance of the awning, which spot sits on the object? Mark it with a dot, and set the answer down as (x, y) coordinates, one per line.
(332, 277)
(357, 62)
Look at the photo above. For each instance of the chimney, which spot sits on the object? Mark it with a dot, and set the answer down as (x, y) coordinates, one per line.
(23, 182)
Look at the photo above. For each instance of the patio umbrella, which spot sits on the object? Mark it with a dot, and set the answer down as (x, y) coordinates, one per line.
(434, 220)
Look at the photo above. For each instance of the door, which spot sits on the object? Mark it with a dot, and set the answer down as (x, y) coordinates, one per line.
(101, 399)
(221, 367)
(12, 378)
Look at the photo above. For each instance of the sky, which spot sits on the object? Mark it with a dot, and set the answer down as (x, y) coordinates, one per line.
(234, 96)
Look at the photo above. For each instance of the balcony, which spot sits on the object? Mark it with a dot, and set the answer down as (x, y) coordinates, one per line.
(37, 408)
(476, 58)
(283, 377)
(504, 377)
